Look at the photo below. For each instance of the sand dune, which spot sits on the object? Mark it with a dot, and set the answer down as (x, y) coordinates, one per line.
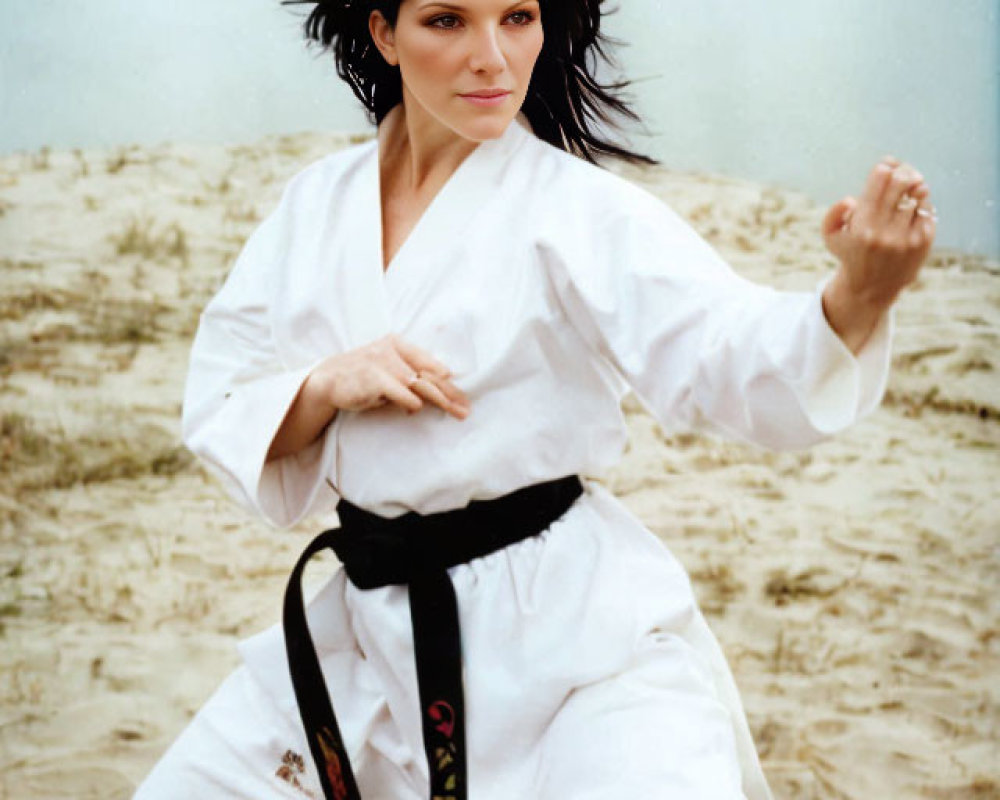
(853, 586)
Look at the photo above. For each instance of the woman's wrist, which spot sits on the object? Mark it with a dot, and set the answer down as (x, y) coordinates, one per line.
(852, 315)
(309, 415)
(317, 391)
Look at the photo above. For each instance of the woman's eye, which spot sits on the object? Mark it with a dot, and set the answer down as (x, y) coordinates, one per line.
(445, 22)
(449, 21)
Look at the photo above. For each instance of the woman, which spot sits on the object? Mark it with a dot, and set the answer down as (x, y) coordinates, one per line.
(433, 327)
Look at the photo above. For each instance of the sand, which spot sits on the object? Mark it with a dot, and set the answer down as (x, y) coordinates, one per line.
(853, 586)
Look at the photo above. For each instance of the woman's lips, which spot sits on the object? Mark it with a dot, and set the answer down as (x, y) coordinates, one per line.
(492, 100)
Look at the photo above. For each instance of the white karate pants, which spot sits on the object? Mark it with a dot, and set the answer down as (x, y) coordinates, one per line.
(590, 674)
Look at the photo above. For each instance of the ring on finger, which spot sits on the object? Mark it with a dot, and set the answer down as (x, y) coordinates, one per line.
(922, 209)
(412, 380)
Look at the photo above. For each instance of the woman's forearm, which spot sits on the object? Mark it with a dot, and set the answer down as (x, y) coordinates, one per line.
(308, 416)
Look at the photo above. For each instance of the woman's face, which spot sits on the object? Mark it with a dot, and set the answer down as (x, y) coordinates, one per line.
(449, 50)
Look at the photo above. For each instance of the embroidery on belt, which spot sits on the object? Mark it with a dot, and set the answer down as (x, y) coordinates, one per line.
(444, 757)
(334, 770)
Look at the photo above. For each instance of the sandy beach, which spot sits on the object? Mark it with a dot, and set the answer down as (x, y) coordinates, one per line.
(853, 586)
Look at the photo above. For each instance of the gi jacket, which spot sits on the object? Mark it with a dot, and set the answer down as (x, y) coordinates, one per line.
(549, 286)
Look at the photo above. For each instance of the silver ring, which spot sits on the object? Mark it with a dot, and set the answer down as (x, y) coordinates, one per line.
(907, 203)
(412, 380)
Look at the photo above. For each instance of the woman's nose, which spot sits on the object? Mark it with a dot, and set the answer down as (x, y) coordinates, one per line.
(486, 55)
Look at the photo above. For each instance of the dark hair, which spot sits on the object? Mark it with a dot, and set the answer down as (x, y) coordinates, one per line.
(563, 99)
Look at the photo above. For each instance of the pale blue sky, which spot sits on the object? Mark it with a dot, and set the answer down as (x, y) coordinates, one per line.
(803, 94)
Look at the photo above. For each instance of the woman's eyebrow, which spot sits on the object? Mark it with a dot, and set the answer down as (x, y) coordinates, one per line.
(452, 7)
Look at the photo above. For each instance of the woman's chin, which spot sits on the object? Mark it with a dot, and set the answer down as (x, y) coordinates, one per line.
(488, 126)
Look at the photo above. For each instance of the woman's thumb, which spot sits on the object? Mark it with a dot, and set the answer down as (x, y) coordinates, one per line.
(838, 215)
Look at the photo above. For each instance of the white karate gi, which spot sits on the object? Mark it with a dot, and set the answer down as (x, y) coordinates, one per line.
(548, 286)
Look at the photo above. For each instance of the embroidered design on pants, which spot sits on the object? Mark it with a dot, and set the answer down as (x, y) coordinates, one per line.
(293, 765)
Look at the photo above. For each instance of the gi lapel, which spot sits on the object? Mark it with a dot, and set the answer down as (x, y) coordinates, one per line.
(419, 269)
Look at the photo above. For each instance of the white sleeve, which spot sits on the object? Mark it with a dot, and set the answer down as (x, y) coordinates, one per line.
(239, 390)
(703, 347)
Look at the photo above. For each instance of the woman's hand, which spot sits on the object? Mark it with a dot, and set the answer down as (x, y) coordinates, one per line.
(386, 371)
(881, 241)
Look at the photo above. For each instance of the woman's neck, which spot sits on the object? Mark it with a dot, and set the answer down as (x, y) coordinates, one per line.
(417, 152)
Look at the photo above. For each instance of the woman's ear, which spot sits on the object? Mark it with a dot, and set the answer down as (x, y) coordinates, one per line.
(383, 36)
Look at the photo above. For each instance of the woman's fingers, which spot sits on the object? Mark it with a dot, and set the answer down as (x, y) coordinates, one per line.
(409, 393)
(926, 210)
(875, 188)
(924, 224)
(417, 378)
(390, 370)
(898, 202)
(893, 199)
(427, 386)
(395, 391)
(421, 361)
(459, 402)
(439, 391)
(431, 380)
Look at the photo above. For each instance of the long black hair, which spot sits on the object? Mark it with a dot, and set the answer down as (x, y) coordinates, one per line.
(563, 100)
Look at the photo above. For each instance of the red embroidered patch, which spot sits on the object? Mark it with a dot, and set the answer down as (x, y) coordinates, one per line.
(443, 714)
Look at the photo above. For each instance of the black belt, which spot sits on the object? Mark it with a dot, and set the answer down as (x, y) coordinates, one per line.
(415, 550)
